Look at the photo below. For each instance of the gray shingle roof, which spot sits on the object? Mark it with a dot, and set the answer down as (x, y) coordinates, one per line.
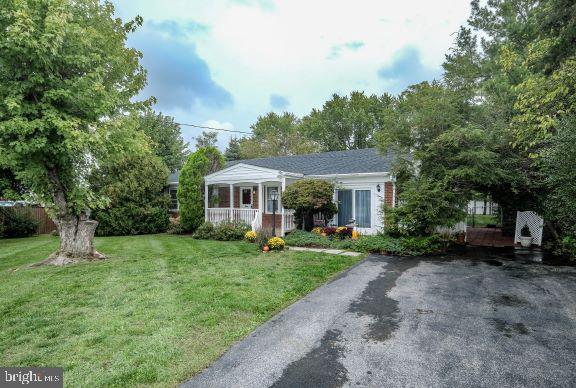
(326, 163)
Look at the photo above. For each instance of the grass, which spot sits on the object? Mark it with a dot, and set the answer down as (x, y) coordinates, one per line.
(158, 311)
(482, 220)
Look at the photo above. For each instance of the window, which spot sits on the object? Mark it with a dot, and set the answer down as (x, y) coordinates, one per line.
(363, 208)
(269, 191)
(173, 198)
(355, 204)
(344, 207)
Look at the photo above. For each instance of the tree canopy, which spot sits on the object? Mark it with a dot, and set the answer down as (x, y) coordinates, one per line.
(347, 122)
(165, 138)
(233, 150)
(64, 69)
(276, 135)
(206, 139)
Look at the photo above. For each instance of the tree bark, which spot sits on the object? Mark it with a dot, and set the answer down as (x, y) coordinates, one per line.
(76, 241)
(76, 232)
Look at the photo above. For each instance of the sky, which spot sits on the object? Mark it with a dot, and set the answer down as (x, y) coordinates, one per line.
(223, 63)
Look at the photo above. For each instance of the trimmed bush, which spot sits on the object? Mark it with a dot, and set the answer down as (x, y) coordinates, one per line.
(15, 223)
(308, 197)
(131, 220)
(225, 231)
(300, 238)
(191, 186)
(175, 226)
(134, 186)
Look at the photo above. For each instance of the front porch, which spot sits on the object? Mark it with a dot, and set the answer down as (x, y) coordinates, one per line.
(249, 203)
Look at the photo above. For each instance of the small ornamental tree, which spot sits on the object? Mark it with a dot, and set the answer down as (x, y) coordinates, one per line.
(64, 69)
(191, 185)
(308, 197)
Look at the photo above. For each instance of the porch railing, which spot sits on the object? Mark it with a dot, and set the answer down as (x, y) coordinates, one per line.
(216, 215)
(289, 220)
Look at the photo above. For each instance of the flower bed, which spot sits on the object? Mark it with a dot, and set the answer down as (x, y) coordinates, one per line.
(402, 246)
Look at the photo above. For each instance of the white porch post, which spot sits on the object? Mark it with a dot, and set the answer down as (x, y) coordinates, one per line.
(206, 202)
(394, 192)
(261, 202)
(231, 202)
(283, 227)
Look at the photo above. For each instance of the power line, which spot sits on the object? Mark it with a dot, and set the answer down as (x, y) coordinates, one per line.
(213, 129)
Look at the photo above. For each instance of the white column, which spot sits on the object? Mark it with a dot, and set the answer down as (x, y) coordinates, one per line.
(260, 202)
(206, 193)
(394, 193)
(231, 202)
(283, 227)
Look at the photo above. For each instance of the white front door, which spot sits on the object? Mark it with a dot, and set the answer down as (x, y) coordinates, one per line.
(246, 197)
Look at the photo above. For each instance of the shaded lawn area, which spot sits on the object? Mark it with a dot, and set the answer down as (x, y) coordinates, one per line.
(159, 310)
(482, 220)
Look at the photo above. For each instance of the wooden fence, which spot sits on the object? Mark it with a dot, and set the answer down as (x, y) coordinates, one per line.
(45, 223)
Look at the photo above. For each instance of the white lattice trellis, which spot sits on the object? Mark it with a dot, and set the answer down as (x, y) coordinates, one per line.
(535, 224)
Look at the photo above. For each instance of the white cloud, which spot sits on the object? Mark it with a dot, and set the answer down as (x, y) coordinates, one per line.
(255, 49)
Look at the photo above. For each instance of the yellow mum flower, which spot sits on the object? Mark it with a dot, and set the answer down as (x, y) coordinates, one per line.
(250, 236)
(276, 243)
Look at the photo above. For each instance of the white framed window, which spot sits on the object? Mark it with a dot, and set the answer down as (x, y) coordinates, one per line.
(173, 191)
(269, 191)
(355, 204)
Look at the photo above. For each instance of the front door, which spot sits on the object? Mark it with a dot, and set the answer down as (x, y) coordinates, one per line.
(246, 197)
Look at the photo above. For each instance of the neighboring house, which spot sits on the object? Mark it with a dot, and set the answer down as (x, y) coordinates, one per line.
(242, 190)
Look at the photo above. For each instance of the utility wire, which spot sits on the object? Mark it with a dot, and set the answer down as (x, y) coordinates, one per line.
(214, 129)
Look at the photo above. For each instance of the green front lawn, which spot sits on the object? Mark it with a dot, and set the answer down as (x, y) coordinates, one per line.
(159, 310)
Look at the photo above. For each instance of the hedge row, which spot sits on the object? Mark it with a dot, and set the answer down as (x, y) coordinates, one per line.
(380, 244)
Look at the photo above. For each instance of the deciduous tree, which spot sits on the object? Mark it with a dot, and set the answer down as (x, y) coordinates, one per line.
(206, 139)
(64, 69)
(165, 137)
(276, 135)
(347, 122)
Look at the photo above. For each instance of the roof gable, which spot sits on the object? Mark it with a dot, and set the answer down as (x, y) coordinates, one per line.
(243, 172)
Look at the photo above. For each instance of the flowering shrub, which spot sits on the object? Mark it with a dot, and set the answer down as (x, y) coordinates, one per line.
(276, 243)
(250, 236)
(317, 230)
(329, 230)
(344, 232)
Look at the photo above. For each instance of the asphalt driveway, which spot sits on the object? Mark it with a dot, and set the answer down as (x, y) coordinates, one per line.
(480, 318)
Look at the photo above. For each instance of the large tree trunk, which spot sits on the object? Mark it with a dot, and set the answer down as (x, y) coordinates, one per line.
(76, 241)
(76, 231)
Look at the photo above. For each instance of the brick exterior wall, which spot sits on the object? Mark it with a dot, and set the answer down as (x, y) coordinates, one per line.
(389, 193)
(224, 197)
